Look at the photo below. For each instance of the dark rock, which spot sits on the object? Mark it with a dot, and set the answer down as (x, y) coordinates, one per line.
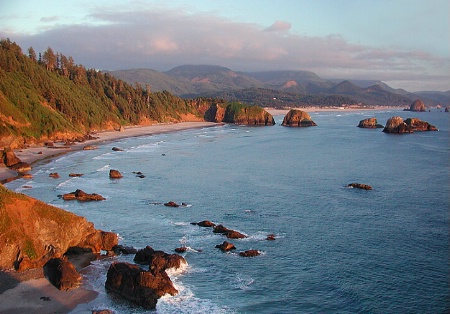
(250, 253)
(171, 204)
(106, 311)
(298, 118)
(115, 174)
(369, 123)
(360, 186)
(226, 246)
(205, 223)
(447, 109)
(141, 287)
(72, 175)
(232, 234)
(80, 195)
(158, 259)
(45, 298)
(54, 175)
(181, 249)
(125, 250)
(10, 159)
(220, 229)
(62, 274)
(270, 237)
(117, 149)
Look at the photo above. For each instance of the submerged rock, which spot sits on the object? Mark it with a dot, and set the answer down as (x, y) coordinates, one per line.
(80, 195)
(250, 253)
(226, 246)
(360, 186)
(298, 118)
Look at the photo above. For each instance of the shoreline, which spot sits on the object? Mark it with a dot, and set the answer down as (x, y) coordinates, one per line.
(38, 153)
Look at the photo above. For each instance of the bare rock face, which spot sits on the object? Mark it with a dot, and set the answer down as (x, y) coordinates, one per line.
(369, 123)
(34, 232)
(298, 118)
(239, 114)
(62, 274)
(397, 125)
(137, 285)
(417, 105)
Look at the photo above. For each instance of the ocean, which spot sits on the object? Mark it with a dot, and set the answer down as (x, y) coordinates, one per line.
(336, 249)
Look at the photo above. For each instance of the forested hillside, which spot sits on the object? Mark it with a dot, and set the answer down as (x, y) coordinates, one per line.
(48, 96)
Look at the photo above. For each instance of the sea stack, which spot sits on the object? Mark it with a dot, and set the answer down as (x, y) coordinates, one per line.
(298, 118)
(417, 105)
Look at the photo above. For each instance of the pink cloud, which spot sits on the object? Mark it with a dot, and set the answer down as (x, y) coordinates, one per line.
(279, 26)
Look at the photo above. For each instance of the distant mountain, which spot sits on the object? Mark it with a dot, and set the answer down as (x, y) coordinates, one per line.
(216, 81)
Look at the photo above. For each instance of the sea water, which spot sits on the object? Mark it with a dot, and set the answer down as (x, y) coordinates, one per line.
(337, 249)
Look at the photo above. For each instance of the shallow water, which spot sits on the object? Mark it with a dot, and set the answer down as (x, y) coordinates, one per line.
(337, 249)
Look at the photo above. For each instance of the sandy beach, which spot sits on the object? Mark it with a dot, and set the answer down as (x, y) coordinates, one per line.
(36, 153)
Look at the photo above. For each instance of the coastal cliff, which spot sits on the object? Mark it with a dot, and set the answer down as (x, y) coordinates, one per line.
(32, 232)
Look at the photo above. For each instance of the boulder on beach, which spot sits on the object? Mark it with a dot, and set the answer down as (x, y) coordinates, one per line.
(62, 274)
(90, 147)
(21, 167)
(298, 118)
(9, 158)
(117, 149)
(370, 123)
(80, 195)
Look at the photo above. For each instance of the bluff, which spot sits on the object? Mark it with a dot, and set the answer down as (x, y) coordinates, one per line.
(298, 118)
(32, 232)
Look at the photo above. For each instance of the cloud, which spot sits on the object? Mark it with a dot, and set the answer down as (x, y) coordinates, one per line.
(279, 26)
(49, 19)
(162, 39)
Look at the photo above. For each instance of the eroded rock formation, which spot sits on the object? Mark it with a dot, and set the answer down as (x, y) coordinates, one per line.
(82, 196)
(417, 105)
(298, 118)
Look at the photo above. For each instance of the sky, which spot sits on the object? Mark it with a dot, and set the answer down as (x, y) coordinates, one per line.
(404, 43)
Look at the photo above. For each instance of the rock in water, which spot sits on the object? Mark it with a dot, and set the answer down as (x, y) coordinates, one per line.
(417, 105)
(115, 174)
(360, 186)
(298, 118)
(397, 125)
(369, 123)
(419, 125)
(137, 285)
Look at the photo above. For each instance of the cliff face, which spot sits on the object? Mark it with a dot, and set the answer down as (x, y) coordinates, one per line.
(32, 232)
(298, 118)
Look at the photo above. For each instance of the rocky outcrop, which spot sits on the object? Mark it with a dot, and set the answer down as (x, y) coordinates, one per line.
(369, 123)
(360, 186)
(250, 253)
(171, 204)
(9, 158)
(62, 274)
(298, 118)
(417, 105)
(238, 113)
(419, 125)
(32, 232)
(115, 174)
(204, 223)
(447, 109)
(137, 285)
(82, 196)
(226, 246)
(158, 259)
(397, 125)
(54, 175)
